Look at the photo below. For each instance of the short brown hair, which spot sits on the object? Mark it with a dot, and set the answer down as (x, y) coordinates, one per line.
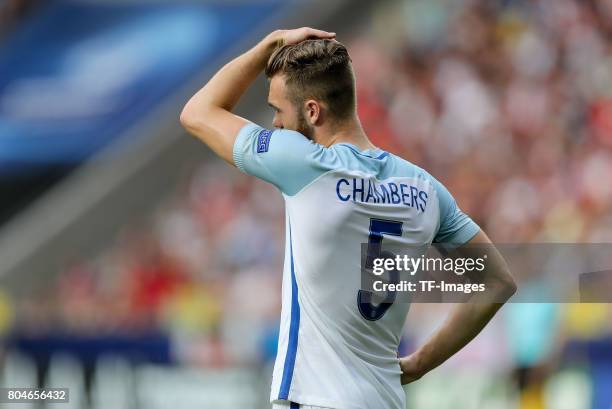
(319, 69)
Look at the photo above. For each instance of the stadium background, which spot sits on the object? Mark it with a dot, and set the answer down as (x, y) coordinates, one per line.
(141, 272)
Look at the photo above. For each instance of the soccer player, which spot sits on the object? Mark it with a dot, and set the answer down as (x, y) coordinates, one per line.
(336, 349)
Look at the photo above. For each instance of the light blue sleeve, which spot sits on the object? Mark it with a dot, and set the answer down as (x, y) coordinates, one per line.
(456, 227)
(285, 158)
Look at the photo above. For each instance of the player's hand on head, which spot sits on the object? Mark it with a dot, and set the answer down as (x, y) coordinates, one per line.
(295, 36)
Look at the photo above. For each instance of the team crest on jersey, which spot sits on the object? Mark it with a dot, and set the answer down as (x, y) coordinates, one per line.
(263, 140)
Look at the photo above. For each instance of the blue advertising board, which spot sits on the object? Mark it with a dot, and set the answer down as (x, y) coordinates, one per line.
(76, 75)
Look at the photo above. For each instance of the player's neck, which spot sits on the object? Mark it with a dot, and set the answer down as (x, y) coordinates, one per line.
(348, 132)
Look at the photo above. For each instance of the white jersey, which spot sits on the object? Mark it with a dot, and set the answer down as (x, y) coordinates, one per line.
(336, 350)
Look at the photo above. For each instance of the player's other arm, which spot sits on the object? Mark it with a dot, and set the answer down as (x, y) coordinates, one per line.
(208, 114)
(465, 320)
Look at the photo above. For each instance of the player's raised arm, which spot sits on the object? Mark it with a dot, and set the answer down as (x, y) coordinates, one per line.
(467, 319)
(208, 114)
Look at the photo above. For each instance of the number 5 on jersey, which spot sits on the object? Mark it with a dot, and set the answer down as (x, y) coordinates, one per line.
(378, 228)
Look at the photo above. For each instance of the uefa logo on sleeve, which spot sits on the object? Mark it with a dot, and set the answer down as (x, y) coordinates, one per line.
(263, 140)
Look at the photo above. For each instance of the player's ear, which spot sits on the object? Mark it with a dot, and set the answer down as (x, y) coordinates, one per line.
(313, 111)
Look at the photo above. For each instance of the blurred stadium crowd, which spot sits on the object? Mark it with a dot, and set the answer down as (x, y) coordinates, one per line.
(508, 103)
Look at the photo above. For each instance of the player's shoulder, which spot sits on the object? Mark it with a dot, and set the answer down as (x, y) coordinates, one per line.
(401, 167)
(279, 145)
(377, 162)
(302, 151)
(283, 157)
